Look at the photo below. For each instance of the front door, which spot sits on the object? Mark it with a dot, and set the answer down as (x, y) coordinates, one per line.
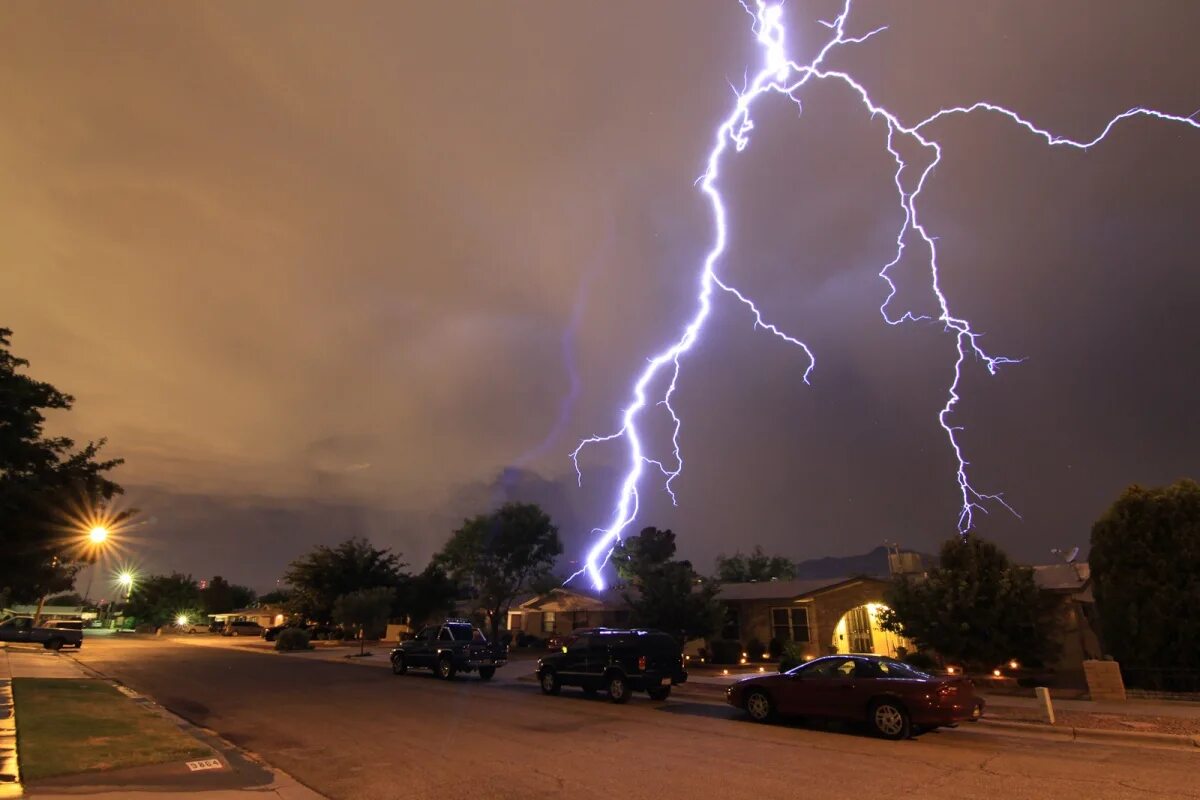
(858, 630)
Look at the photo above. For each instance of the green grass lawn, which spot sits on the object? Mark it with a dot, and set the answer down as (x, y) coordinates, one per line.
(70, 726)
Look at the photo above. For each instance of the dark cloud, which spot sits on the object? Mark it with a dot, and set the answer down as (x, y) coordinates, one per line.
(352, 262)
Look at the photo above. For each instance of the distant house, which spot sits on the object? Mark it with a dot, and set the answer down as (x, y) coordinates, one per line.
(265, 616)
(821, 616)
(562, 610)
(1074, 613)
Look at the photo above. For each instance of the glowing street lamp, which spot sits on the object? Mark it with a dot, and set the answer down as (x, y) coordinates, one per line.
(98, 534)
(182, 620)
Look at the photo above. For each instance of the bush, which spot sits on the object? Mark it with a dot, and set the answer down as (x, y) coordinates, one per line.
(726, 651)
(776, 646)
(292, 639)
(791, 657)
(506, 638)
(754, 649)
(922, 661)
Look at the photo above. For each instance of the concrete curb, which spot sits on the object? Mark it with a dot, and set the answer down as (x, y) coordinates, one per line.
(1100, 735)
(10, 769)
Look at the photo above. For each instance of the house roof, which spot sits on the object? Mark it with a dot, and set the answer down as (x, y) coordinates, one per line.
(611, 598)
(1062, 577)
(779, 590)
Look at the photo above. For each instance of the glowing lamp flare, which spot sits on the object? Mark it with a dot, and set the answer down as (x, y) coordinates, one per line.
(782, 76)
(181, 620)
(98, 534)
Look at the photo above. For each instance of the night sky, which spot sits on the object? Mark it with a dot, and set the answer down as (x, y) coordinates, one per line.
(322, 270)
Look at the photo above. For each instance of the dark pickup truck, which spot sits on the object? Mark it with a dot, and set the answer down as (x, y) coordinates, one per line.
(21, 629)
(450, 648)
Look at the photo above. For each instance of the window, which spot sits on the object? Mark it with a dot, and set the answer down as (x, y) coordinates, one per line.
(445, 636)
(826, 668)
(731, 629)
(579, 619)
(789, 624)
(548, 622)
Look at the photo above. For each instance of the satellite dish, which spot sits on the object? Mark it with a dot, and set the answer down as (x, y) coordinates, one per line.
(1074, 554)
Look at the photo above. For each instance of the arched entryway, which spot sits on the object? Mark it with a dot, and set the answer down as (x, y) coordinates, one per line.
(858, 631)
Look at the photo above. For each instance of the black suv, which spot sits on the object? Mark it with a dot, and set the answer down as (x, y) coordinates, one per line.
(452, 647)
(616, 660)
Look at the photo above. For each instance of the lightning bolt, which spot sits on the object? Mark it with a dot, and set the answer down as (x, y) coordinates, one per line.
(781, 75)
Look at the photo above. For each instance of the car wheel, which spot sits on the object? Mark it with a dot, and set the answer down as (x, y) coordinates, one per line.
(233, 633)
(618, 689)
(446, 669)
(889, 719)
(661, 693)
(398, 665)
(759, 706)
(54, 644)
(486, 673)
(976, 712)
(549, 682)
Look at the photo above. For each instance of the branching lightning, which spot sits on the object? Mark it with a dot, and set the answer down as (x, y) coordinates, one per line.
(780, 75)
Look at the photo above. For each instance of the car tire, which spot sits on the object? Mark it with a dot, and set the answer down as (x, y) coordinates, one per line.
(760, 706)
(398, 665)
(661, 693)
(617, 688)
(234, 633)
(889, 720)
(976, 712)
(446, 670)
(549, 682)
(53, 644)
(486, 673)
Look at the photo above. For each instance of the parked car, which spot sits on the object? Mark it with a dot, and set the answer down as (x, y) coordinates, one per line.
(22, 629)
(452, 647)
(322, 630)
(242, 627)
(619, 661)
(890, 696)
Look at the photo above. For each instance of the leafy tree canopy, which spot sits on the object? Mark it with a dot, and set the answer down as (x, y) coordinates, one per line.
(324, 574)
(664, 593)
(44, 482)
(757, 566)
(365, 611)
(499, 555)
(160, 599)
(976, 607)
(220, 596)
(1145, 563)
(426, 597)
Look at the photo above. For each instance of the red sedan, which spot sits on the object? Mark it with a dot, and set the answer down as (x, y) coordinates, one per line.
(890, 696)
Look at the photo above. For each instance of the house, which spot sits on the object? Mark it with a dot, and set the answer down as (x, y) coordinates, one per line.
(821, 616)
(562, 610)
(265, 616)
(1074, 613)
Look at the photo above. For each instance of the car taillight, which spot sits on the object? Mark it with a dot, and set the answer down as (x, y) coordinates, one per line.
(641, 663)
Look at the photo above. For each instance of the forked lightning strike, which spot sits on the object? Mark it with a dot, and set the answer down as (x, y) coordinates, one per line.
(781, 75)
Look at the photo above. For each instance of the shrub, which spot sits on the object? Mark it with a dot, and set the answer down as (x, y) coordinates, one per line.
(776, 646)
(506, 639)
(922, 661)
(292, 639)
(726, 651)
(754, 649)
(792, 656)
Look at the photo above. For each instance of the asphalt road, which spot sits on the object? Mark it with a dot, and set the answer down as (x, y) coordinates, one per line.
(352, 731)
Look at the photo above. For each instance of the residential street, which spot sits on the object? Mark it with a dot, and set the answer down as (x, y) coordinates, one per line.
(355, 731)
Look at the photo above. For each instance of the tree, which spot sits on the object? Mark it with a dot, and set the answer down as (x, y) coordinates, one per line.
(1145, 566)
(423, 597)
(279, 597)
(44, 482)
(321, 576)
(666, 594)
(220, 596)
(365, 611)
(976, 607)
(497, 556)
(160, 599)
(757, 566)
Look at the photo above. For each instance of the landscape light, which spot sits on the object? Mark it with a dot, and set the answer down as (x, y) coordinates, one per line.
(1013, 664)
(996, 672)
